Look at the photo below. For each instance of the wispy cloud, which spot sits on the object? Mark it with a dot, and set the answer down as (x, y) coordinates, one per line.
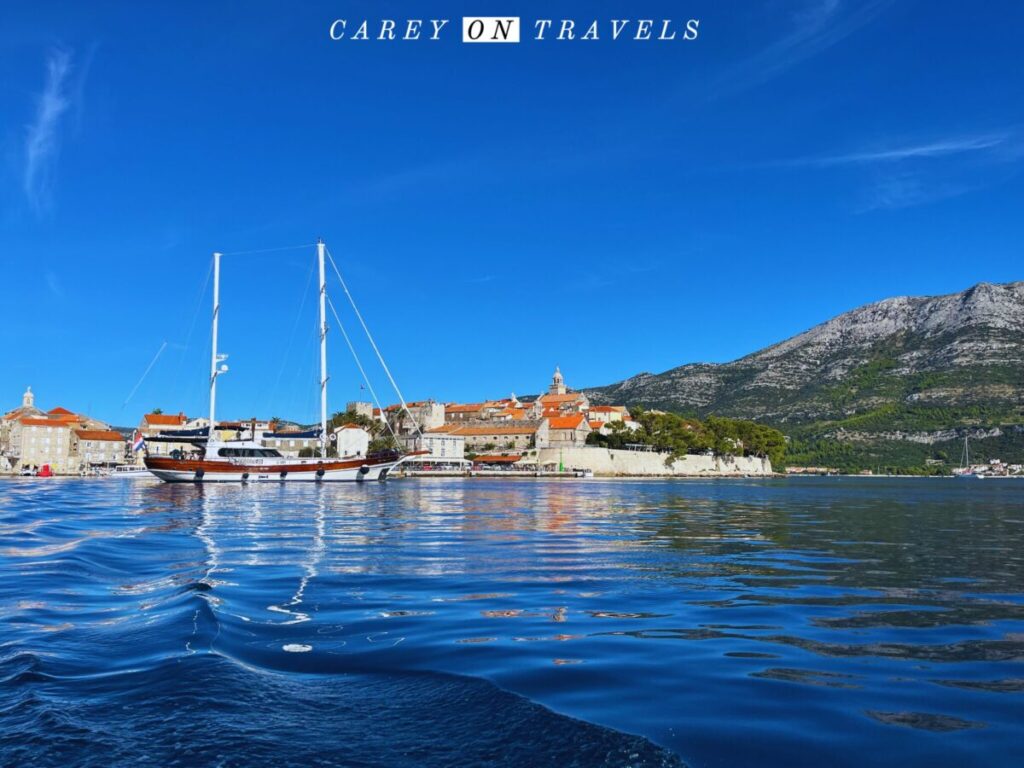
(923, 171)
(53, 284)
(815, 27)
(907, 190)
(42, 140)
(929, 149)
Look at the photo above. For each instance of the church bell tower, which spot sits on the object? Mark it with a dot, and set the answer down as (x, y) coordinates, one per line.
(557, 383)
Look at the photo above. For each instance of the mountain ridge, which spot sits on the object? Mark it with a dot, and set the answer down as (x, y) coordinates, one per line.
(891, 370)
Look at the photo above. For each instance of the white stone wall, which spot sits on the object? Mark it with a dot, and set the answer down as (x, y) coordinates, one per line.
(609, 463)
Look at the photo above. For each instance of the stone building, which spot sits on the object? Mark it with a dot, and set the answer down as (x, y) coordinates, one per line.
(30, 438)
(351, 440)
(501, 435)
(360, 408)
(445, 450)
(415, 417)
(606, 413)
(462, 412)
(95, 448)
(152, 425)
(568, 430)
(562, 400)
(38, 441)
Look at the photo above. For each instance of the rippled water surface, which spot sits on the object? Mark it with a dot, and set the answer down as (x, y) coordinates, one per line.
(489, 622)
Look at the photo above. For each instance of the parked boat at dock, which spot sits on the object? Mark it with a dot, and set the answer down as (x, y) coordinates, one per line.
(247, 460)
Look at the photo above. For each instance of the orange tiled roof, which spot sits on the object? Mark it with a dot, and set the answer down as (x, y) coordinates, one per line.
(596, 424)
(30, 421)
(567, 398)
(566, 422)
(463, 408)
(515, 413)
(444, 428)
(164, 419)
(65, 418)
(21, 411)
(497, 429)
(608, 409)
(58, 411)
(107, 435)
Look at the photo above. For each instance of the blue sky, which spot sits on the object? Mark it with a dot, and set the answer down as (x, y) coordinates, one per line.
(610, 207)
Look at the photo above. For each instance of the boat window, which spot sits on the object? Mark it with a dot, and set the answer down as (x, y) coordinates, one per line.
(248, 453)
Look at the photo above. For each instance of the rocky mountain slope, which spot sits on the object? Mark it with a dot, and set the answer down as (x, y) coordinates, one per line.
(904, 358)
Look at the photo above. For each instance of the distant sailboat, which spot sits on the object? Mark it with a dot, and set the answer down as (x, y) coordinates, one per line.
(965, 463)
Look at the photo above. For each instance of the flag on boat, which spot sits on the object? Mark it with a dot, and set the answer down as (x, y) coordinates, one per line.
(137, 441)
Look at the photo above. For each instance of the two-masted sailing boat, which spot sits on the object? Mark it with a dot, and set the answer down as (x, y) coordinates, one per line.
(227, 461)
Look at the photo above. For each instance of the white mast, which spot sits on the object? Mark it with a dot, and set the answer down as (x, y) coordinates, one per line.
(214, 356)
(213, 348)
(323, 348)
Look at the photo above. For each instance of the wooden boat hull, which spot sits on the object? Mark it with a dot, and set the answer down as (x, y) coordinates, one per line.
(273, 470)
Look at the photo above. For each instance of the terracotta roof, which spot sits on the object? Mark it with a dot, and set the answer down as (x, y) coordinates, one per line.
(596, 424)
(58, 411)
(497, 429)
(566, 422)
(567, 398)
(164, 419)
(463, 408)
(107, 435)
(444, 428)
(515, 413)
(350, 425)
(66, 418)
(37, 422)
(495, 459)
(608, 409)
(21, 411)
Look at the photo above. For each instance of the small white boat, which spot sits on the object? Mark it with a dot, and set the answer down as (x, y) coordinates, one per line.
(130, 470)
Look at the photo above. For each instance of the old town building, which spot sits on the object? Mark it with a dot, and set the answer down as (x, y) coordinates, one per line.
(568, 430)
(96, 448)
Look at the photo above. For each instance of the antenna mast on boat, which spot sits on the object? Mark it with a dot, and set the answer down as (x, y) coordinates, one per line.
(214, 357)
(323, 348)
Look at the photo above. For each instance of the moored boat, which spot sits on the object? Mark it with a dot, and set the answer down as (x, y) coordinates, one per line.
(245, 461)
(241, 461)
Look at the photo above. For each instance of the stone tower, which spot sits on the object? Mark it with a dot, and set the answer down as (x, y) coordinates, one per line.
(557, 383)
(28, 400)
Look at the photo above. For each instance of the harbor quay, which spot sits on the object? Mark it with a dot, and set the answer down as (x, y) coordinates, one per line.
(541, 435)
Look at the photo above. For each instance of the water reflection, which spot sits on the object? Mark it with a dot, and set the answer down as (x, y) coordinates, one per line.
(683, 611)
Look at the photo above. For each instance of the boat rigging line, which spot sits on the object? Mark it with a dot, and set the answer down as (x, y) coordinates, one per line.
(359, 365)
(373, 344)
(270, 250)
(152, 362)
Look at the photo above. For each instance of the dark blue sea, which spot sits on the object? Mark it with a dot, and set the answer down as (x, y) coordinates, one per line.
(803, 622)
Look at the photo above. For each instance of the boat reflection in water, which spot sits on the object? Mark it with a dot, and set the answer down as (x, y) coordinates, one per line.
(776, 622)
